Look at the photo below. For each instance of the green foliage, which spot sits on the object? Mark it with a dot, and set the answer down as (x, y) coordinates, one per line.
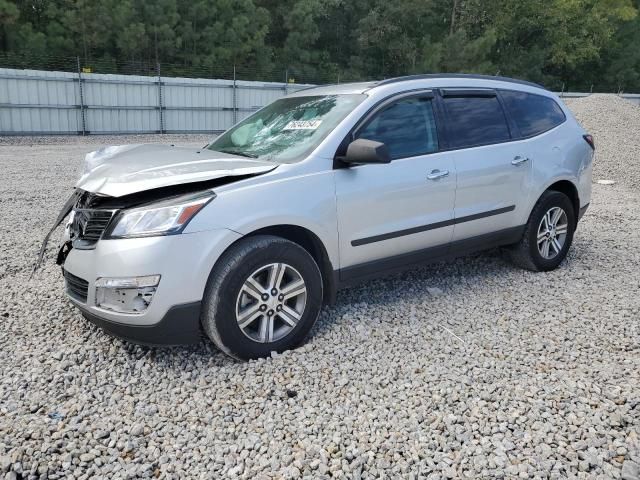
(8, 12)
(550, 41)
(578, 44)
(457, 52)
(620, 63)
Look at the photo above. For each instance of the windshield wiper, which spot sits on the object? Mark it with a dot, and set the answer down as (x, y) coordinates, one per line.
(238, 152)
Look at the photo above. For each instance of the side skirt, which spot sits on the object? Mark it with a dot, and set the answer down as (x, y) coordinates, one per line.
(386, 266)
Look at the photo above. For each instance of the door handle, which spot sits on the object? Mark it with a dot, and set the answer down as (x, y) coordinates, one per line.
(519, 160)
(436, 174)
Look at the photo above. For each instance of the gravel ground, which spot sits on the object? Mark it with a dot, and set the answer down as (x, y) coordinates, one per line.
(469, 369)
(615, 124)
(96, 141)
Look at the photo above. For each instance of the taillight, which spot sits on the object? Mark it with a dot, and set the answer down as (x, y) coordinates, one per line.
(589, 139)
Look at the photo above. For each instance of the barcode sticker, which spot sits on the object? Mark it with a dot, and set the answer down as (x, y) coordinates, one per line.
(302, 125)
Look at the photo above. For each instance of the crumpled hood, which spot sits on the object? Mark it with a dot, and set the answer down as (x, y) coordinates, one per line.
(125, 169)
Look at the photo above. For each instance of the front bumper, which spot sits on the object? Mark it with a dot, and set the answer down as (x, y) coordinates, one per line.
(179, 326)
(183, 262)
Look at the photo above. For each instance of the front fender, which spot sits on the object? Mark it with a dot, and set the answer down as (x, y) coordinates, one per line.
(306, 201)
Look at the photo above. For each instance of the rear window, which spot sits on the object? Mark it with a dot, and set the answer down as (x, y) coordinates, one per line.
(475, 121)
(533, 114)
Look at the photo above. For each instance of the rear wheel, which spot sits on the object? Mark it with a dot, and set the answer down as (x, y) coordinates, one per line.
(263, 295)
(548, 234)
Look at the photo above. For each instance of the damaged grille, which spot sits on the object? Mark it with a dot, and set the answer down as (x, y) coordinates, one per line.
(88, 225)
(77, 287)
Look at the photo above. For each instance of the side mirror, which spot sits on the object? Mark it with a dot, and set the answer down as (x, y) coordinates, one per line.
(362, 151)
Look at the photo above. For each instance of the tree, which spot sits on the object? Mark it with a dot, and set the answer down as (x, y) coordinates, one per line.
(394, 35)
(550, 41)
(9, 14)
(218, 35)
(619, 68)
(572, 42)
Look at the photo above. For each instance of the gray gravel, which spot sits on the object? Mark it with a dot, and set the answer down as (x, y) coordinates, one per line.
(469, 369)
(100, 140)
(615, 124)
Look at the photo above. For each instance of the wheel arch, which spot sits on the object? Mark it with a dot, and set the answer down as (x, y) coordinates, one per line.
(562, 185)
(312, 244)
(570, 190)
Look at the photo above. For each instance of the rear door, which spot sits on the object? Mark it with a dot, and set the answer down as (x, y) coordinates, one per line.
(492, 169)
(405, 206)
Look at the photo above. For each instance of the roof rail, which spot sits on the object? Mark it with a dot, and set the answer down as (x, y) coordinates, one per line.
(428, 76)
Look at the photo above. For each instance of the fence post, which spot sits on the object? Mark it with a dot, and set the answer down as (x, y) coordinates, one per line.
(160, 98)
(235, 97)
(82, 120)
(286, 82)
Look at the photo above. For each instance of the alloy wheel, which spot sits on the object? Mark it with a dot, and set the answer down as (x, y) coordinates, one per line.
(271, 302)
(552, 232)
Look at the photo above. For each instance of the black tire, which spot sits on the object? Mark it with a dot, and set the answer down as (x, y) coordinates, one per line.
(525, 253)
(226, 280)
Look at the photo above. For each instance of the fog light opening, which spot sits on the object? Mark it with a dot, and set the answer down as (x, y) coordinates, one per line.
(126, 295)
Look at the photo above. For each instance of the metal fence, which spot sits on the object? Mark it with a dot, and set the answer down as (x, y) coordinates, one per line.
(632, 97)
(35, 102)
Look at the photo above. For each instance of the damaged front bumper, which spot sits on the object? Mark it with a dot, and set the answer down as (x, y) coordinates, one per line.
(145, 286)
(179, 326)
(171, 315)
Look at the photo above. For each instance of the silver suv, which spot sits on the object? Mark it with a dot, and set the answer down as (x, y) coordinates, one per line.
(247, 237)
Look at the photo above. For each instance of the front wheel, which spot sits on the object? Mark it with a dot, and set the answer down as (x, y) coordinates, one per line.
(548, 234)
(263, 295)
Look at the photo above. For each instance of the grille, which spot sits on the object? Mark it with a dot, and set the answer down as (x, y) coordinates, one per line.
(76, 287)
(89, 224)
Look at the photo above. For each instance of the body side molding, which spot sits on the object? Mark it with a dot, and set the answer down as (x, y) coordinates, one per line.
(431, 226)
(398, 263)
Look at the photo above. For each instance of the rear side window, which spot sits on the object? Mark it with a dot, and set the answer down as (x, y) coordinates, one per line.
(534, 114)
(407, 127)
(475, 121)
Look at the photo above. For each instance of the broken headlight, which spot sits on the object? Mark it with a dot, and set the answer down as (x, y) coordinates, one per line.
(160, 218)
(126, 295)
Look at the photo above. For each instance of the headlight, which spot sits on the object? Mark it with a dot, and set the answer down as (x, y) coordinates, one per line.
(160, 218)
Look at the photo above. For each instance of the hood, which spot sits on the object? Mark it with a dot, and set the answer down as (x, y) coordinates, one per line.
(125, 169)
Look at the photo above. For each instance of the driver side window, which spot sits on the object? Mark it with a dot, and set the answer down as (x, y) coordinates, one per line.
(407, 127)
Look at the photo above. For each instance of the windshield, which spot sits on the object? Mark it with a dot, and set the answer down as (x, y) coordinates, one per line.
(288, 129)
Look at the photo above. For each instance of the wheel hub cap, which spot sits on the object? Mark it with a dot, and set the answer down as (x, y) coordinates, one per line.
(271, 302)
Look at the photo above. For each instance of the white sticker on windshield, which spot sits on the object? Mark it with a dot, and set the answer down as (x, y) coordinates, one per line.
(302, 125)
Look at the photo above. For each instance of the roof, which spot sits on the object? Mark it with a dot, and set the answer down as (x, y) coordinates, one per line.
(362, 87)
(470, 76)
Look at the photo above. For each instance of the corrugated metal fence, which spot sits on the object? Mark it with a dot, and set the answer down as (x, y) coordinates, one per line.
(632, 97)
(34, 102)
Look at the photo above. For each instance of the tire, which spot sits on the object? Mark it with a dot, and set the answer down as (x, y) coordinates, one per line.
(231, 294)
(526, 253)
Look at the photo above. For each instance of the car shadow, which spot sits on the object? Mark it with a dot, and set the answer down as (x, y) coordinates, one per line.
(398, 288)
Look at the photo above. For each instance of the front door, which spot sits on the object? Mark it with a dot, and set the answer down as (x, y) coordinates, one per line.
(405, 206)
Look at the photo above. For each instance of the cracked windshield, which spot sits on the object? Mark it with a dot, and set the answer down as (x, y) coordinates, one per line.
(288, 129)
